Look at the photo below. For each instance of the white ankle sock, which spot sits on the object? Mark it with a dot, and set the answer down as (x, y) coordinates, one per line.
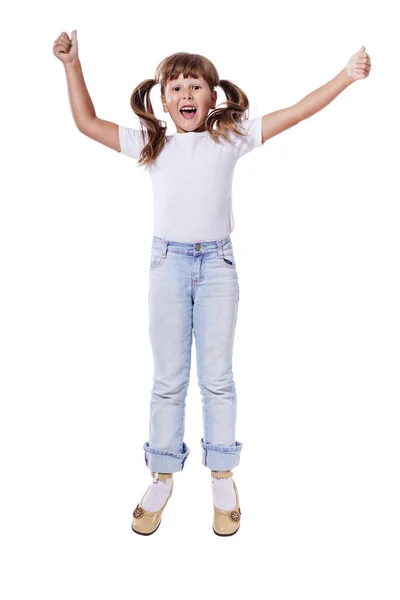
(223, 493)
(157, 494)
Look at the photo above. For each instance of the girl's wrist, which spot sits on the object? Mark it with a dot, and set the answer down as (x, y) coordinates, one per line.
(346, 77)
(73, 63)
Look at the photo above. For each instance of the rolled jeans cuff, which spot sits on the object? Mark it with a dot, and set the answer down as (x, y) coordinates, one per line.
(221, 458)
(162, 461)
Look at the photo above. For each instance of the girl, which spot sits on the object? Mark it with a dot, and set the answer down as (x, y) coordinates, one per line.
(194, 285)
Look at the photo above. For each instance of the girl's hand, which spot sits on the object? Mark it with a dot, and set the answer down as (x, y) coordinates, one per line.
(66, 49)
(359, 65)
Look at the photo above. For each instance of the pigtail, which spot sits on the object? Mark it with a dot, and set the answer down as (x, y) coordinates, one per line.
(143, 109)
(226, 118)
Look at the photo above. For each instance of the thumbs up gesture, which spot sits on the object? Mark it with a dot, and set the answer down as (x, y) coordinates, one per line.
(359, 65)
(66, 48)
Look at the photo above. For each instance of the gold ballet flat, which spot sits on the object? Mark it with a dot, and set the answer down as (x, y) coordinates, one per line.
(226, 522)
(145, 522)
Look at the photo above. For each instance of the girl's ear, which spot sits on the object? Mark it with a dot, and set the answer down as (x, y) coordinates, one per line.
(164, 103)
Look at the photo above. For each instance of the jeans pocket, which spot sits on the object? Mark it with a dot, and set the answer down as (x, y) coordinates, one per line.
(228, 258)
(155, 257)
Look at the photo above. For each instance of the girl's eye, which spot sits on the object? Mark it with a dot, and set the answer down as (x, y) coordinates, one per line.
(173, 89)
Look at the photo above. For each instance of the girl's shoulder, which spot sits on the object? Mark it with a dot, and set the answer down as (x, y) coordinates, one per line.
(248, 138)
(132, 140)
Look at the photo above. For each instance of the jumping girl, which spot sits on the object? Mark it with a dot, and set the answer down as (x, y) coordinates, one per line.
(193, 278)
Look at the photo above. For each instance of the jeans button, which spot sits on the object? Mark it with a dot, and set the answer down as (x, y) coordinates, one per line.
(197, 247)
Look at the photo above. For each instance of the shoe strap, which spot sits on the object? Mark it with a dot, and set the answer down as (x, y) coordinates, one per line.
(221, 474)
(160, 476)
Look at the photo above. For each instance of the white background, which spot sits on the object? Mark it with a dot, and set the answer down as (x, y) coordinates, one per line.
(316, 358)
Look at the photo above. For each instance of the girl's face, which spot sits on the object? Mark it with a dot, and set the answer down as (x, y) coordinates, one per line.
(191, 91)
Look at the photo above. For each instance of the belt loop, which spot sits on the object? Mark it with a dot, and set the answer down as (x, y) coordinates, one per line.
(220, 251)
(164, 246)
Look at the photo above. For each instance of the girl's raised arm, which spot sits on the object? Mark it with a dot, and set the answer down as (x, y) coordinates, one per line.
(358, 67)
(86, 120)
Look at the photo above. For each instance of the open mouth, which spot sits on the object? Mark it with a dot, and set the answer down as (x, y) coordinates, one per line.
(188, 113)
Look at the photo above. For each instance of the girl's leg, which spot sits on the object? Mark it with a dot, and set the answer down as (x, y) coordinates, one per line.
(170, 329)
(215, 311)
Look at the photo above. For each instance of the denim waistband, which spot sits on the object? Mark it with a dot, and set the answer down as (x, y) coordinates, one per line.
(190, 247)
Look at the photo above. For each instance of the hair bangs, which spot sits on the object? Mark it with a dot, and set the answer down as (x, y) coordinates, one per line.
(189, 65)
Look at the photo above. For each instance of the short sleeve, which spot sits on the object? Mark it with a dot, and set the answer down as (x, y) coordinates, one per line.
(253, 139)
(131, 141)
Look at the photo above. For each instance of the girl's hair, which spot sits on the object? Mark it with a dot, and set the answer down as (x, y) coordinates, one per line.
(193, 65)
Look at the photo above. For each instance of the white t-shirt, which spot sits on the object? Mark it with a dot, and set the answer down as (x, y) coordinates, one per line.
(192, 180)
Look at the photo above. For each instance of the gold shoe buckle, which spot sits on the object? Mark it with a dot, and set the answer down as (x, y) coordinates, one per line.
(138, 512)
(234, 515)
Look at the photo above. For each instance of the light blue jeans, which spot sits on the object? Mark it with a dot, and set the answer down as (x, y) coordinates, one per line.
(193, 289)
